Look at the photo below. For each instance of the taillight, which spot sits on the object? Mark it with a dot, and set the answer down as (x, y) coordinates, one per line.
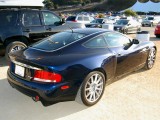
(45, 76)
(74, 21)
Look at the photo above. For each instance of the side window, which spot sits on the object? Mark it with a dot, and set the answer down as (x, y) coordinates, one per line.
(97, 42)
(50, 18)
(31, 18)
(80, 19)
(116, 40)
(86, 18)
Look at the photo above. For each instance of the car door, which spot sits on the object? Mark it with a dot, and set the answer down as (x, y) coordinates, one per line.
(52, 23)
(130, 26)
(32, 24)
(128, 55)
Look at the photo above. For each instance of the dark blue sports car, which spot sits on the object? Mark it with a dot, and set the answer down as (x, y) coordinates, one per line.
(77, 64)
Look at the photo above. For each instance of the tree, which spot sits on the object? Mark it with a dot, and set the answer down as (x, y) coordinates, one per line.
(155, 1)
(143, 1)
(130, 13)
(55, 6)
(48, 4)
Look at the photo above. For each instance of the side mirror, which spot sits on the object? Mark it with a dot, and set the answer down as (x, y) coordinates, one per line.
(129, 24)
(135, 41)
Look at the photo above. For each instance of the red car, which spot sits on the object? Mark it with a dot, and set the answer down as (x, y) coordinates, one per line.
(157, 31)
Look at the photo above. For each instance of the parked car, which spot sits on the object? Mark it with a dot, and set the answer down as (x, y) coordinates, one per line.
(79, 19)
(157, 31)
(151, 21)
(98, 23)
(20, 27)
(77, 64)
(127, 26)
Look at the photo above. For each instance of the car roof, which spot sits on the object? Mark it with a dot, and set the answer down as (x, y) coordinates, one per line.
(90, 30)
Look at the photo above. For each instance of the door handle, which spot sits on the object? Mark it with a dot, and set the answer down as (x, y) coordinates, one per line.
(27, 30)
(49, 29)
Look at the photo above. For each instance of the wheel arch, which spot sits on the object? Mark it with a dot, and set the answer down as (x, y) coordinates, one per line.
(102, 71)
(23, 39)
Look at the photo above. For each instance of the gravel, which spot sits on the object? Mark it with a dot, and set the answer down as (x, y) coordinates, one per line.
(134, 97)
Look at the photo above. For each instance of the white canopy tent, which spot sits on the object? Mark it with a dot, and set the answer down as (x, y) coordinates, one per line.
(146, 7)
(21, 3)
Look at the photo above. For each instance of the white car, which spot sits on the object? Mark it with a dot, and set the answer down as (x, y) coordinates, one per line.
(151, 21)
(79, 19)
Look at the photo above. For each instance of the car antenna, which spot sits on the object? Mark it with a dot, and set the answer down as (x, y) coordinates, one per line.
(70, 28)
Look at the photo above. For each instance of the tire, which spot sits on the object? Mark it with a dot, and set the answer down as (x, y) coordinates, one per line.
(125, 31)
(2, 50)
(150, 59)
(92, 89)
(151, 25)
(157, 36)
(139, 29)
(12, 47)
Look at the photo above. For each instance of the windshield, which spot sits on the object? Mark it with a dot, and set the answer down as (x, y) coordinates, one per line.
(58, 40)
(122, 22)
(97, 21)
(150, 18)
(8, 18)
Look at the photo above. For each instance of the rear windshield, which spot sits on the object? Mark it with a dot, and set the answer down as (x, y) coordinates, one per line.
(8, 18)
(150, 18)
(71, 18)
(58, 40)
(122, 22)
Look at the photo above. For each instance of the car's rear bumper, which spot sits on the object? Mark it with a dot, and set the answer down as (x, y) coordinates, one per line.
(47, 93)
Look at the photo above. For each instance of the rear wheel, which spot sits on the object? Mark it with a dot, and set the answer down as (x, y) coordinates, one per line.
(14, 46)
(151, 58)
(92, 88)
(151, 25)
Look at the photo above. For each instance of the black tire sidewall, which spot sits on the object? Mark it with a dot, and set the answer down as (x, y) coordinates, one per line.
(83, 98)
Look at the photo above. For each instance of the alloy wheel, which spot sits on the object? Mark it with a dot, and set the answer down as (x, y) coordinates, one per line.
(94, 88)
(151, 57)
(17, 48)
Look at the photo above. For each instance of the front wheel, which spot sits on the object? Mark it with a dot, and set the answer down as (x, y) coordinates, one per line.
(139, 29)
(151, 59)
(157, 36)
(151, 25)
(92, 88)
(125, 31)
(14, 46)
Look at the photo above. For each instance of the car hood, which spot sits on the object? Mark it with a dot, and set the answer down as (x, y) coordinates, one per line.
(119, 26)
(147, 20)
(92, 24)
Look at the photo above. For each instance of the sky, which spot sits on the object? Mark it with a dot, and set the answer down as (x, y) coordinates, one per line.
(21, 2)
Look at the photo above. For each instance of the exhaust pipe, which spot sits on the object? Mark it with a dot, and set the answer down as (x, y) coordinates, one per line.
(36, 98)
